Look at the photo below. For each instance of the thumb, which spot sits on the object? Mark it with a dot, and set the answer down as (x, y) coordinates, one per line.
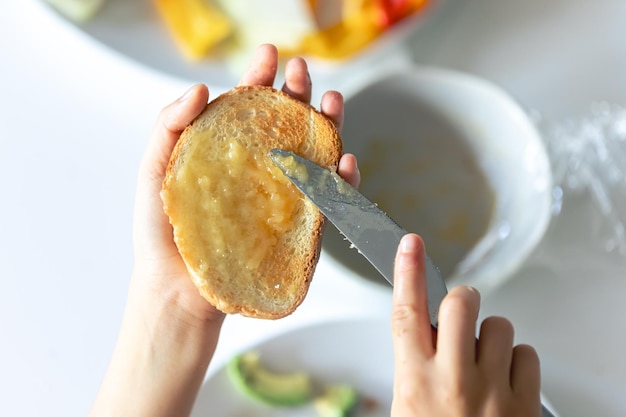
(152, 231)
(169, 125)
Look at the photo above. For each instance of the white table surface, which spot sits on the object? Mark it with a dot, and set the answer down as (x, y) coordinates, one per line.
(75, 118)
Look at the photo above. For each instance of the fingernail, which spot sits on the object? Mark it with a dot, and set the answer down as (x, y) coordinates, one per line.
(187, 94)
(408, 244)
(475, 293)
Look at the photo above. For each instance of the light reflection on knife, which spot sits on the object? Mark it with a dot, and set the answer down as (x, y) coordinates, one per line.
(367, 227)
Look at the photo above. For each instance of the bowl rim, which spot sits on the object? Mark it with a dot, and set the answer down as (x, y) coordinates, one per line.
(429, 74)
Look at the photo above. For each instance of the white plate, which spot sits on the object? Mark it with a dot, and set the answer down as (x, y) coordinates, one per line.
(136, 31)
(358, 352)
(354, 351)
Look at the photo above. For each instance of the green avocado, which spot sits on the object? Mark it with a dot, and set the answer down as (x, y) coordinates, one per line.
(283, 390)
(336, 401)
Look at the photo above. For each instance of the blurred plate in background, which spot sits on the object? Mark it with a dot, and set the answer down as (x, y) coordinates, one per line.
(357, 352)
(134, 29)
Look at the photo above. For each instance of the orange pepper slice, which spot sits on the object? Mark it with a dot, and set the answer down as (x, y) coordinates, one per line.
(197, 26)
(363, 21)
(392, 11)
(358, 28)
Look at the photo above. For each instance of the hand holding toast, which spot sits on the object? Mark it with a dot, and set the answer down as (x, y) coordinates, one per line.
(169, 332)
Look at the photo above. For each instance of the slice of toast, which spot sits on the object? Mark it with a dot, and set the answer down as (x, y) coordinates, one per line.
(249, 238)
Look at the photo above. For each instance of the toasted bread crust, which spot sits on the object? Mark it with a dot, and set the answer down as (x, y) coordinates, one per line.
(260, 118)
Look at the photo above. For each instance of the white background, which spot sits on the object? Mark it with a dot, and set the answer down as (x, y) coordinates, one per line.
(75, 118)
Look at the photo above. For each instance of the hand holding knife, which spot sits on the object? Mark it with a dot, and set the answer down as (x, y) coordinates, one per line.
(363, 223)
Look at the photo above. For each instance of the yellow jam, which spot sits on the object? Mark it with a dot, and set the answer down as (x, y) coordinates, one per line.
(298, 170)
(293, 168)
(234, 201)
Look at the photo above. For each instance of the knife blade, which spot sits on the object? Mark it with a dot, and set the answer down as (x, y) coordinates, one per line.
(370, 230)
(375, 235)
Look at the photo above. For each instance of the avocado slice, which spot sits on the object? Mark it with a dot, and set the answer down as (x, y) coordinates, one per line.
(283, 390)
(337, 401)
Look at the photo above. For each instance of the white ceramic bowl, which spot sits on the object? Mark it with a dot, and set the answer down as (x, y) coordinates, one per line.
(455, 159)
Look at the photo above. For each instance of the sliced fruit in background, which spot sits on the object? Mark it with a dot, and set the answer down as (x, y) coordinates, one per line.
(196, 25)
(279, 22)
(77, 10)
(392, 11)
(285, 390)
(359, 25)
(336, 401)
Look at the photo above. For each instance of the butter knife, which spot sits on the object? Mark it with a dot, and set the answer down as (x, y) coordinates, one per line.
(374, 234)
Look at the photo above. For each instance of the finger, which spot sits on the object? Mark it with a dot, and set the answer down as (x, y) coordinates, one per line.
(495, 349)
(262, 68)
(525, 373)
(456, 338)
(150, 219)
(412, 338)
(297, 80)
(170, 123)
(349, 170)
(332, 107)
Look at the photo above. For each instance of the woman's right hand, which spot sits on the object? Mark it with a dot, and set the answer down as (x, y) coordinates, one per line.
(450, 372)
